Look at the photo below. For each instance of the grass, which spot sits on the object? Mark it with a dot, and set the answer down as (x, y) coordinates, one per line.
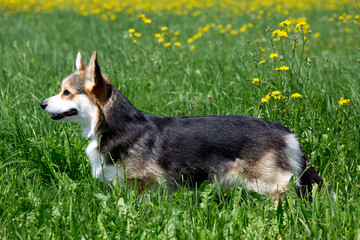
(46, 187)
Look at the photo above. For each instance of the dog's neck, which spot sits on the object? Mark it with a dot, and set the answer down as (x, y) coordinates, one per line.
(119, 125)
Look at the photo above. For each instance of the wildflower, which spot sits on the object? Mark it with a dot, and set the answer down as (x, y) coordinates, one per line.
(192, 48)
(265, 99)
(275, 93)
(262, 62)
(316, 35)
(273, 55)
(176, 33)
(262, 50)
(255, 80)
(275, 32)
(134, 41)
(342, 101)
(300, 24)
(233, 32)
(190, 40)
(331, 19)
(296, 95)
(305, 38)
(285, 23)
(32, 60)
(282, 68)
(178, 44)
(276, 39)
(168, 44)
(148, 21)
(131, 35)
(131, 30)
(137, 35)
(160, 40)
(164, 28)
(157, 35)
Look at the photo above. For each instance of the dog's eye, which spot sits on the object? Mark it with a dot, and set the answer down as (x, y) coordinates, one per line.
(66, 93)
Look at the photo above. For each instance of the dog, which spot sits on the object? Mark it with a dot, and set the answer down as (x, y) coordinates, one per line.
(129, 145)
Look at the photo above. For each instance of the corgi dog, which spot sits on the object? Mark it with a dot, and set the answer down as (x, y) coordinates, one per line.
(127, 144)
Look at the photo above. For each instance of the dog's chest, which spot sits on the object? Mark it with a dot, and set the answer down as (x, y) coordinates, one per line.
(104, 172)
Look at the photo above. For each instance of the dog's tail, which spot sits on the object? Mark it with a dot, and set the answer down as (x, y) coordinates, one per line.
(309, 176)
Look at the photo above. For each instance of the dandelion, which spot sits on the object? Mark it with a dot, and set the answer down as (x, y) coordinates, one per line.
(316, 35)
(176, 33)
(131, 35)
(148, 21)
(168, 44)
(331, 19)
(262, 62)
(137, 35)
(275, 32)
(160, 40)
(192, 48)
(265, 99)
(32, 60)
(285, 23)
(275, 93)
(164, 28)
(178, 44)
(273, 55)
(255, 80)
(342, 101)
(300, 24)
(131, 30)
(282, 68)
(157, 35)
(296, 95)
(190, 40)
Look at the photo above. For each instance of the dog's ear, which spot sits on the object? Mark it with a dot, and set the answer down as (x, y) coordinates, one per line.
(95, 84)
(80, 64)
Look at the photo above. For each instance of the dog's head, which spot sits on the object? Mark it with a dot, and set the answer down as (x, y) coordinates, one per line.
(80, 96)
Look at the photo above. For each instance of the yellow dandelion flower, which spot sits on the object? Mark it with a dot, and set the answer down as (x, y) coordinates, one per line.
(296, 95)
(283, 68)
(134, 41)
(131, 30)
(148, 21)
(285, 23)
(300, 24)
(316, 35)
(233, 32)
(176, 33)
(275, 93)
(32, 60)
(131, 35)
(250, 25)
(192, 48)
(157, 35)
(255, 80)
(342, 101)
(265, 99)
(262, 62)
(178, 44)
(305, 38)
(262, 50)
(168, 44)
(273, 55)
(190, 40)
(164, 28)
(275, 32)
(160, 40)
(137, 35)
(331, 19)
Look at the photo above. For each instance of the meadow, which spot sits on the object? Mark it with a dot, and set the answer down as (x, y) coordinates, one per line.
(295, 62)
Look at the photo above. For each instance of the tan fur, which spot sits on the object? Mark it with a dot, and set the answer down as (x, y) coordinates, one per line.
(264, 177)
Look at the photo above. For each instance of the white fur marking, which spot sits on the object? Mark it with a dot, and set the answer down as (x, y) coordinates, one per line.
(294, 154)
(103, 172)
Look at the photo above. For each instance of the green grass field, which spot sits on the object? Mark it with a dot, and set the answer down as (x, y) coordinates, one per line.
(46, 187)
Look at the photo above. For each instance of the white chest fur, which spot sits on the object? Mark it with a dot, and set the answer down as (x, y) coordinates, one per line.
(103, 172)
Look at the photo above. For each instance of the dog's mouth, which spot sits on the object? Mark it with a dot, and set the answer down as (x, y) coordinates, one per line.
(59, 116)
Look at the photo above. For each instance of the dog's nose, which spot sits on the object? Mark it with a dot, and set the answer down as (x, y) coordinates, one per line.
(43, 104)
